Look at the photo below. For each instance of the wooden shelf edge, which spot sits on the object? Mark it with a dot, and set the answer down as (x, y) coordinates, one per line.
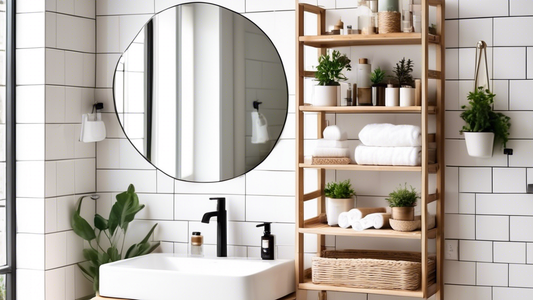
(400, 38)
(309, 285)
(313, 226)
(366, 109)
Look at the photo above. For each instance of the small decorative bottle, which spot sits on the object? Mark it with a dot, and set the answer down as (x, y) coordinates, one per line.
(197, 241)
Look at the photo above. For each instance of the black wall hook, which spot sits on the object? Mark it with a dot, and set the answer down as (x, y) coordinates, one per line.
(256, 104)
(98, 106)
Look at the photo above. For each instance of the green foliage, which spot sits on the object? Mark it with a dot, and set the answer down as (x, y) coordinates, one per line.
(433, 29)
(480, 117)
(377, 76)
(110, 233)
(403, 71)
(328, 71)
(403, 197)
(341, 190)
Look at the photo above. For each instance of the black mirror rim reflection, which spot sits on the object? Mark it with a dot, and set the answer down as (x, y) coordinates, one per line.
(286, 89)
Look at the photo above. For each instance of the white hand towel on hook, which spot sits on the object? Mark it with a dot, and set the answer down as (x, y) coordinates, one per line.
(92, 128)
(259, 128)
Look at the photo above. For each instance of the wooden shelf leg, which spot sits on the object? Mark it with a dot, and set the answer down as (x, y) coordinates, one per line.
(322, 295)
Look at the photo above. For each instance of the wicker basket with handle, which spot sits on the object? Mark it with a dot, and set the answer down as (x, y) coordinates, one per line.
(371, 269)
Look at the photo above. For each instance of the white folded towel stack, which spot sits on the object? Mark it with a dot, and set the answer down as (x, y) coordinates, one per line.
(388, 156)
(334, 144)
(389, 145)
(389, 135)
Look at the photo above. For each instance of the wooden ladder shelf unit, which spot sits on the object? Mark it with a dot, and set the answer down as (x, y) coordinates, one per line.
(313, 226)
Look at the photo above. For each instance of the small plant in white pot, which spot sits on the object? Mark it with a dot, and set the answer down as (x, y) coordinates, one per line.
(484, 127)
(402, 202)
(403, 73)
(328, 74)
(340, 197)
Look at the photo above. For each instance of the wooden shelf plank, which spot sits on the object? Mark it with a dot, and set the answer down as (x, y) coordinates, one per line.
(432, 168)
(330, 41)
(435, 2)
(312, 195)
(309, 285)
(434, 74)
(366, 109)
(315, 227)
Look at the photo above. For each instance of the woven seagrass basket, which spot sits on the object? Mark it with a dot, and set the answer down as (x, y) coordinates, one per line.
(371, 269)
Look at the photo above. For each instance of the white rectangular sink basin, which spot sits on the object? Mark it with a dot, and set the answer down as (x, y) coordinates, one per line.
(171, 276)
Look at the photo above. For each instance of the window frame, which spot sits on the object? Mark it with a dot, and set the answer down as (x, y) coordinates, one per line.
(9, 270)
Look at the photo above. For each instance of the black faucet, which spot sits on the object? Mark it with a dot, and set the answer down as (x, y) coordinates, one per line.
(222, 227)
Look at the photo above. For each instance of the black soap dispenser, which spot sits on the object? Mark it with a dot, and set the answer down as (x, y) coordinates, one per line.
(267, 242)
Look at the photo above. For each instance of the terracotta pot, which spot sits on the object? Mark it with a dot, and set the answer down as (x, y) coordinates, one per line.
(403, 213)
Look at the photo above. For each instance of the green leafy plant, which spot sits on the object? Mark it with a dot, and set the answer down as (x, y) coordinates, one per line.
(106, 240)
(403, 71)
(480, 117)
(433, 29)
(403, 197)
(339, 190)
(377, 76)
(328, 71)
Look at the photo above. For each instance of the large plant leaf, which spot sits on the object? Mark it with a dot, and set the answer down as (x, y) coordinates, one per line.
(142, 247)
(113, 254)
(100, 222)
(80, 226)
(91, 255)
(125, 209)
(88, 274)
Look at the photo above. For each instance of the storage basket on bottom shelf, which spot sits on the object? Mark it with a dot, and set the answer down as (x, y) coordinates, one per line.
(371, 269)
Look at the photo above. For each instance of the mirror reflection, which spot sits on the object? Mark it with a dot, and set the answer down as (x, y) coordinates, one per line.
(201, 93)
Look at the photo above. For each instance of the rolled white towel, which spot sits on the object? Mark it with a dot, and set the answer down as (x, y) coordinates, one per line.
(334, 133)
(366, 222)
(323, 143)
(331, 152)
(381, 221)
(388, 156)
(355, 214)
(389, 135)
(344, 220)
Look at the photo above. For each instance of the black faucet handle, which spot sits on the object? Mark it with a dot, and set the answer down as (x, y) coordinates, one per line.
(221, 203)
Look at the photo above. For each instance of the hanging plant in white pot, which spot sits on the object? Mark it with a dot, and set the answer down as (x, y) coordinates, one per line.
(339, 199)
(484, 127)
(328, 74)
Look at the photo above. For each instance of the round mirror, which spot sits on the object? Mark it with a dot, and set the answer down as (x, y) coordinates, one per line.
(201, 93)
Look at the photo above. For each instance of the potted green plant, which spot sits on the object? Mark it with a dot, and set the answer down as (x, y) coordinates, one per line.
(403, 73)
(402, 202)
(106, 240)
(484, 127)
(378, 88)
(328, 74)
(339, 199)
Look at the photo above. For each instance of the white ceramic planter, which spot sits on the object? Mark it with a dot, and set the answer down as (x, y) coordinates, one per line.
(479, 144)
(407, 96)
(334, 207)
(325, 95)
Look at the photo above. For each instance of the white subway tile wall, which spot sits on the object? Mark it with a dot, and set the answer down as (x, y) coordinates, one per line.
(67, 64)
(55, 85)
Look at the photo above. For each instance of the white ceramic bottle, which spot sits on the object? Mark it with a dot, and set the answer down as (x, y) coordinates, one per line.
(391, 95)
